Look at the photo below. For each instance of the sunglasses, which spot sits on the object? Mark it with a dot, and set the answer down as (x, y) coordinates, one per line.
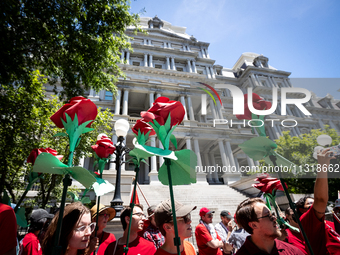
(210, 215)
(185, 218)
(271, 217)
(82, 229)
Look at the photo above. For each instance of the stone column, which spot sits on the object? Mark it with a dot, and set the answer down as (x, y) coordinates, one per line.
(169, 45)
(146, 173)
(207, 168)
(332, 125)
(151, 99)
(164, 44)
(122, 57)
(188, 142)
(194, 66)
(188, 48)
(208, 72)
(145, 59)
(128, 57)
(158, 95)
(202, 53)
(250, 161)
(153, 173)
(191, 109)
(150, 42)
(173, 67)
(219, 110)
(185, 108)
(223, 154)
(200, 175)
(230, 153)
(213, 110)
(117, 104)
(168, 66)
(125, 102)
(150, 61)
(212, 72)
(206, 52)
(255, 81)
(234, 174)
(145, 42)
(189, 66)
(213, 163)
(321, 124)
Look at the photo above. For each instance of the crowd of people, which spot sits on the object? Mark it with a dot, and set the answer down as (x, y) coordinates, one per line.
(252, 230)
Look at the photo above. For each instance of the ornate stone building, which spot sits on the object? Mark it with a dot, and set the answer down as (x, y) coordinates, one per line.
(168, 62)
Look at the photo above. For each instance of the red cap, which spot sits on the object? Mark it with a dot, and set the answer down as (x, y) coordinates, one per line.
(204, 211)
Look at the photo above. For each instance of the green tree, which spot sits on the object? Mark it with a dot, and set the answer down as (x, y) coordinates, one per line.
(74, 43)
(299, 150)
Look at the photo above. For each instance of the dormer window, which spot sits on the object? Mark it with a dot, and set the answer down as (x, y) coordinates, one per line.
(155, 23)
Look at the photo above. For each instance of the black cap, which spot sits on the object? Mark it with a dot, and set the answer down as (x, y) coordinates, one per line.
(39, 214)
(226, 214)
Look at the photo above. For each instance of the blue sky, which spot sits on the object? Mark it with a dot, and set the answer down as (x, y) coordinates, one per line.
(301, 37)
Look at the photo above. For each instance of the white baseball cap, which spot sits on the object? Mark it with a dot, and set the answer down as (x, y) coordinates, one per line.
(337, 203)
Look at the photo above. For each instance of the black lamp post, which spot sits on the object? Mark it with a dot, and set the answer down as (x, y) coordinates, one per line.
(121, 127)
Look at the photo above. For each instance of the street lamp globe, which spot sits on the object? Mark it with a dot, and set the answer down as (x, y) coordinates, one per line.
(324, 140)
(121, 127)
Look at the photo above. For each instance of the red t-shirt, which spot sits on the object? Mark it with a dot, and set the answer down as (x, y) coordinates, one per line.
(8, 229)
(139, 246)
(189, 249)
(296, 239)
(322, 237)
(280, 248)
(105, 240)
(30, 245)
(202, 237)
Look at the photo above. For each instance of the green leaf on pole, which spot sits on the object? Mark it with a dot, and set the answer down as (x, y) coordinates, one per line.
(258, 147)
(60, 134)
(102, 187)
(173, 140)
(182, 169)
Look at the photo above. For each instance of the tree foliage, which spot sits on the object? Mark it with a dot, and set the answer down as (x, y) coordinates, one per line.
(299, 150)
(73, 43)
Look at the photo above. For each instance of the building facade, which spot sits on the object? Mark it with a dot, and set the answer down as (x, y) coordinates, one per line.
(168, 62)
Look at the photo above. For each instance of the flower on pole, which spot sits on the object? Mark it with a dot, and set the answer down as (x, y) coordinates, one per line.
(142, 130)
(104, 147)
(35, 152)
(84, 108)
(259, 104)
(268, 184)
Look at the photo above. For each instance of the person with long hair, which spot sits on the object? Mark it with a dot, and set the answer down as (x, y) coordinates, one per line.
(75, 232)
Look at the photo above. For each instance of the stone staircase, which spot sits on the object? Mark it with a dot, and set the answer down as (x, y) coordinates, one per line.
(214, 197)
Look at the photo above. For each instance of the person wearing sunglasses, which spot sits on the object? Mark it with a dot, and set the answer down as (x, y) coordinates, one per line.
(75, 233)
(254, 216)
(105, 215)
(165, 222)
(137, 244)
(208, 241)
(320, 233)
(294, 237)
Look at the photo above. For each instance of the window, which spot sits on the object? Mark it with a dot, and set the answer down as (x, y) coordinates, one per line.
(179, 69)
(108, 95)
(200, 71)
(158, 66)
(136, 63)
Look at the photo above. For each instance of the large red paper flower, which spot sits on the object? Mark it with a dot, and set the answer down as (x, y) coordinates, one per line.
(104, 147)
(143, 127)
(267, 184)
(35, 152)
(258, 103)
(84, 108)
(161, 109)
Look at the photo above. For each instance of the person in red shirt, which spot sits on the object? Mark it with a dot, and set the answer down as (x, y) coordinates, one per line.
(255, 217)
(294, 237)
(152, 233)
(208, 241)
(30, 245)
(164, 221)
(137, 244)
(321, 235)
(105, 215)
(8, 230)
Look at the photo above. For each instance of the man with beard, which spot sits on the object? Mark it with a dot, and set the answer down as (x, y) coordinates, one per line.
(165, 222)
(255, 217)
(137, 244)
